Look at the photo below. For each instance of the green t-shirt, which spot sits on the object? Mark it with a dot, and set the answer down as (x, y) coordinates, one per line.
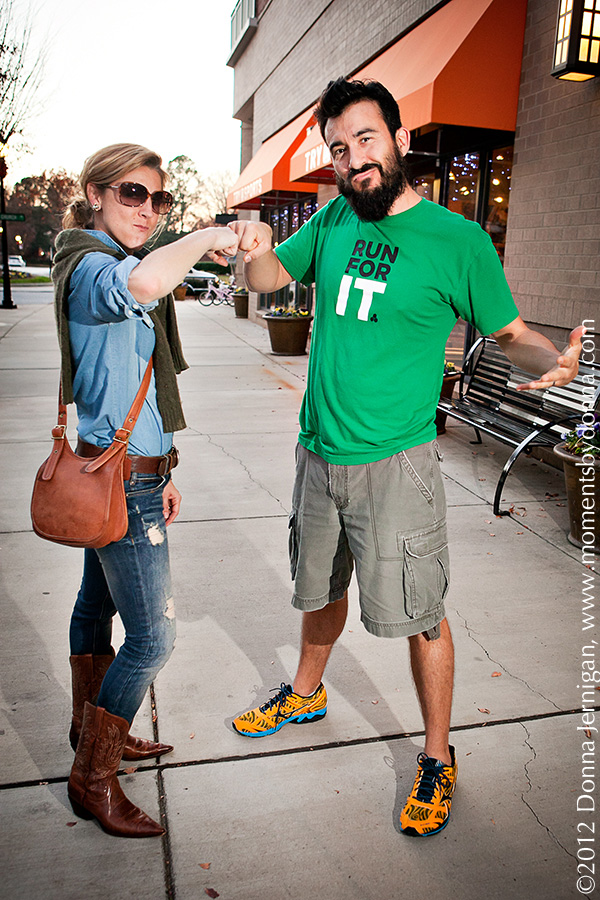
(388, 294)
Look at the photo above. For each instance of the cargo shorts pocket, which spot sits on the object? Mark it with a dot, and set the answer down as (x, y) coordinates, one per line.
(293, 543)
(426, 571)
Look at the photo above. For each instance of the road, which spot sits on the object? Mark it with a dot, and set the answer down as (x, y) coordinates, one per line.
(38, 293)
(31, 294)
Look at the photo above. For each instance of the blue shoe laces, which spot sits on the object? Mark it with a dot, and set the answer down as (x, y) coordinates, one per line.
(284, 691)
(432, 775)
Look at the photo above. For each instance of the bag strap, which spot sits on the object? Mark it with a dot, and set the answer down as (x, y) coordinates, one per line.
(121, 437)
(132, 415)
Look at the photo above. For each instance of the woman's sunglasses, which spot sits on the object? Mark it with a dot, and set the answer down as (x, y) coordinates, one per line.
(129, 193)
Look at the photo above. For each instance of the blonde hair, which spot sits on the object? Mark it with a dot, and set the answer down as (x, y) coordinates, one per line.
(103, 168)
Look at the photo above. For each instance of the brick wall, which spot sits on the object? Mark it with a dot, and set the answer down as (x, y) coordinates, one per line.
(553, 237)
(301, 44)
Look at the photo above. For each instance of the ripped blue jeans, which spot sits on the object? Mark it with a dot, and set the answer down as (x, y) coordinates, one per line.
(130, 577)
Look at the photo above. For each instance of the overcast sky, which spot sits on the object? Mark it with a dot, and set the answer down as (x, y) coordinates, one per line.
(150, 72)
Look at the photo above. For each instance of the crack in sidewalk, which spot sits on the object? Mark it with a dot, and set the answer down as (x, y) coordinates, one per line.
(501, 666)
(530, 788)
(244, 467)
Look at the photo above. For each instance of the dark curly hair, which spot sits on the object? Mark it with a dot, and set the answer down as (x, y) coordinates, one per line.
(343, 92)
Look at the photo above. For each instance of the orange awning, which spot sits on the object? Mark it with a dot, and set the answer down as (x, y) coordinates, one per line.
(268, 170)
(461, 66)
(312, 159)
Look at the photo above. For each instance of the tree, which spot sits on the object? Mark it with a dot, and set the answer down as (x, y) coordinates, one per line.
(19, 81)
(43, 198)
(217, 187)
(20, 74)
(187, 188)
(196, 201)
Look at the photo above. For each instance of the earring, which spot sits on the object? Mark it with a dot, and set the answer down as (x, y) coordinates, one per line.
(96, 206)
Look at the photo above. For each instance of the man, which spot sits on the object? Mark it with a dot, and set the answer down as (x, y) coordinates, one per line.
(393, 273)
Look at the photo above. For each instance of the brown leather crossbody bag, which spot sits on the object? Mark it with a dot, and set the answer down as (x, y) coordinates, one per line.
(80, 501)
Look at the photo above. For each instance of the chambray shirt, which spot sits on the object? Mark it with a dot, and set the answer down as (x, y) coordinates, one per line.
(112, 339)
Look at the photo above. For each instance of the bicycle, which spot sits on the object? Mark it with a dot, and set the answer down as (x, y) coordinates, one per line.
(218, 292)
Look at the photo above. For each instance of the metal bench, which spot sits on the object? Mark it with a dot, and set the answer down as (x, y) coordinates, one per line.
(488, 401)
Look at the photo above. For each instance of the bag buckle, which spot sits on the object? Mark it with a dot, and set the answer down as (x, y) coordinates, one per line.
(122, 435)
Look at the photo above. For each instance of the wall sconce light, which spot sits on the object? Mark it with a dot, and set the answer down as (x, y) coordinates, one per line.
(577, 44)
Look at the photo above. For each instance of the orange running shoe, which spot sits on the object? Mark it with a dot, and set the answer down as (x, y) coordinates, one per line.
(427, 809)
(284, 707)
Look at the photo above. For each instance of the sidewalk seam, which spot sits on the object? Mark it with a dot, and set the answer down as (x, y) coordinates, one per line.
(162, 805)
(330, 745)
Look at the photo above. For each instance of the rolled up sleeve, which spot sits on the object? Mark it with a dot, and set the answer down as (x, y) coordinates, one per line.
(99, 286)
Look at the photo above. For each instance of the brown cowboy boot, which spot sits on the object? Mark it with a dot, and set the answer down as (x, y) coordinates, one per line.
(94, 789)
(87, 673)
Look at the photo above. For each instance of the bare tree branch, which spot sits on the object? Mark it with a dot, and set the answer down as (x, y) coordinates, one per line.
(20, 70)
(216, 189)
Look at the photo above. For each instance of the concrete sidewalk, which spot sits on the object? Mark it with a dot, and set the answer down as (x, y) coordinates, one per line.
(308, 812)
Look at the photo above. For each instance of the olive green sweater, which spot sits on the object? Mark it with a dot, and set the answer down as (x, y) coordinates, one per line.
(71, 246)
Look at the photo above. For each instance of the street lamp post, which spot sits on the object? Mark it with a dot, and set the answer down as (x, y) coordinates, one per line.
(6, 295)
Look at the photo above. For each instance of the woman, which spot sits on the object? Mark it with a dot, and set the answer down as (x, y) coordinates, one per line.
(111, 321)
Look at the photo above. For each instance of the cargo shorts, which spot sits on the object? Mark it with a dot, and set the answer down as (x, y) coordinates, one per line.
(387, 518)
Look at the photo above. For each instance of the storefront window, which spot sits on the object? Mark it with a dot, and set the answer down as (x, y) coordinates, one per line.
(500, 168)
(463, 179)
(273, 221)
(423, 185)
(295, 218)
(475, 184)
(284, 223)
(309, 207)
(286, 220)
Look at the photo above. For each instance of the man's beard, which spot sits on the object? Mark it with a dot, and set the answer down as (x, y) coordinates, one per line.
(373, 204)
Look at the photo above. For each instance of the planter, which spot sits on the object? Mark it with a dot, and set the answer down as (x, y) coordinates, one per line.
(240, 301)
(447, 390)
(180, 291)
(288, 334)
(581, 503)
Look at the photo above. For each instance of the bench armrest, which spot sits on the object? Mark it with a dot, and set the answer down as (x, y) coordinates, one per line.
(469, 364)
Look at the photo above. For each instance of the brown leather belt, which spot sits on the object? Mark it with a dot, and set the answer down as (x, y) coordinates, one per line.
(144, 465)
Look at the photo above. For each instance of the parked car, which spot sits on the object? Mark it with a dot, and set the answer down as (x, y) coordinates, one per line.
(16, 262)
(198, 278)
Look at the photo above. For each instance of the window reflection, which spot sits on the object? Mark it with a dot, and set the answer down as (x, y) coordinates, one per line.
(273, 219)
(423, 185)
(500, 166)
(463, 179)
(284, 221)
